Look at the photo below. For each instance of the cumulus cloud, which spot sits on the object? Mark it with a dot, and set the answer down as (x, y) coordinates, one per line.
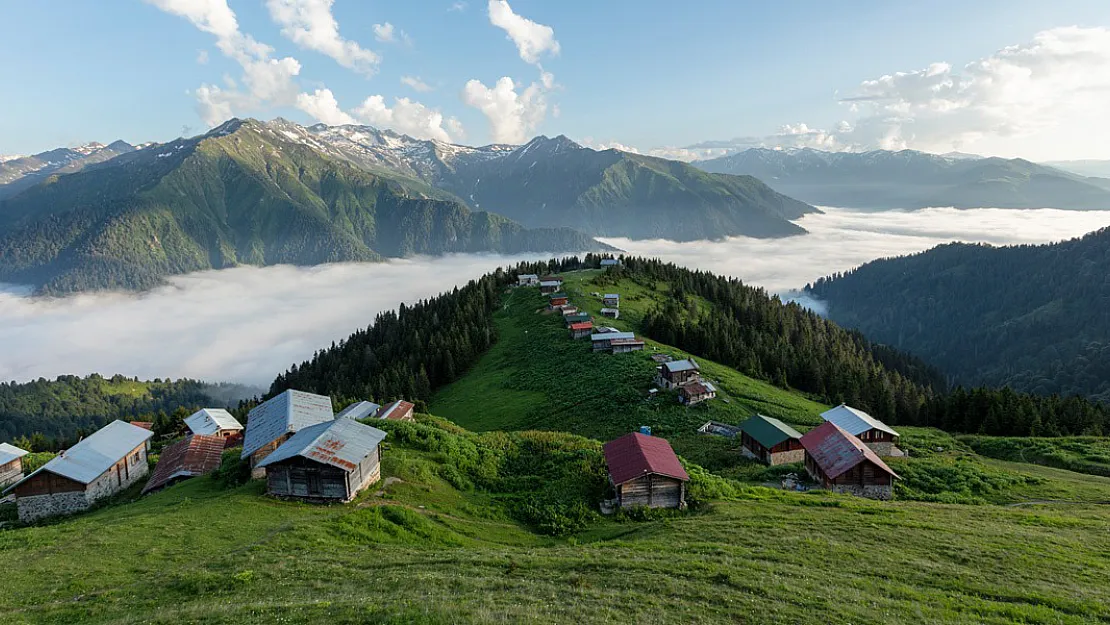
(322, 106)
(513, 115)
(311, 25)
(265, 80)
(532, 40)
(415, 83)
(387, 33)
(409, 117)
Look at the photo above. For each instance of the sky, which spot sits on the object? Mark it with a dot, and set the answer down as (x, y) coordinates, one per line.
(293, 311)
(684, 80)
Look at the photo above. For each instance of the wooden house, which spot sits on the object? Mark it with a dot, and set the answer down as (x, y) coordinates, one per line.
(874, 433)
(271, 423)
(549, 285)
(213, 422)
(611, 300)
(840, 462)
(603, 341)
(399, 410)
(674, 373)
(695, 392)
(771, 441)
(110, 460)
(556, 301)
(199, 454)
(581, 330)
(569, 310)
(329, 461)
(527, 279)
(612, 313)
(623, 346)
(577, 317)
(359, 410)
(11, 464)
(644, 471)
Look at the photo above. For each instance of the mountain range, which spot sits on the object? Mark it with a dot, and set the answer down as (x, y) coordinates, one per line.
(909, 179)
(21, 172)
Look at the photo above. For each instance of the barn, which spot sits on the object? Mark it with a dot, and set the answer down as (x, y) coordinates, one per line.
(325, 462)
(840, 462)
(771, 441)
(874, 433)
(213, 422)
(11, 464)
(272, 422)
(645, 471)
(191, 456)
(110, 460)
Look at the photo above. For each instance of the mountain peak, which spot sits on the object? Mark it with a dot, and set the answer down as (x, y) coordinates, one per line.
(546, 145)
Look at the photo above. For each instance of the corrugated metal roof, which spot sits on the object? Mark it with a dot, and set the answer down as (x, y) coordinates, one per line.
(612, 336)
(612, 296)
(768, 431)
(395, 410)
(554, 283)
(836, 451)
(342, 443)
(288, 412)
(211, 420)
(198, 454)
(854, 421)
(605, 262)
(585, 325)
(626, 342)
(10, 452)
(359, 411)
(527, 276)
(674, 366)
(635, 454)
(89, 459)
(693, 388)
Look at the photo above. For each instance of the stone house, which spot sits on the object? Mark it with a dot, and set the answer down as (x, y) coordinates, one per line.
(874, 433)
(105, 463)
(771, 441)
(840, 462)
(644, 471)
(675, 373)
(325, 462)
(271, 423)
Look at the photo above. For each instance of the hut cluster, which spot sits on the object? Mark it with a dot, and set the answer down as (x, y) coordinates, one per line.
(578, 322)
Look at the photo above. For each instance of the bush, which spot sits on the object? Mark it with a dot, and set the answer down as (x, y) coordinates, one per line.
(233, 471)
(959, 480)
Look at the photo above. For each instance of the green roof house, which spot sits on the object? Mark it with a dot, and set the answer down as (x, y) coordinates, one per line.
(771, 441)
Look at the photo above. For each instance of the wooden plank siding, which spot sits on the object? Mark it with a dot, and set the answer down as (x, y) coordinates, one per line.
(876, 436)
(652, 491)
(304, 478)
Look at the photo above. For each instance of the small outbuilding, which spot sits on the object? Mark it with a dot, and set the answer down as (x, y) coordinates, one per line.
(330, 461)
(581, 330)
(717, 428)
(695, 392)
(623, 346)
(107, 462)
(874, 433)
(213, 422)
(199, 454)
(527, 279)
(557, 301)
(272, 423)
(645, 471)
(399, 410)
(840, 462)
(603, 341)
(611, 300)
(612, 313)
(550, 285)
(771, 441)
(577, 317)
(674, 373)
(359, 410)
(569, 310)
(11, 464)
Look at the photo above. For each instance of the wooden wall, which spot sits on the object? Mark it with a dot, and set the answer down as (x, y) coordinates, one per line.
(653, 491)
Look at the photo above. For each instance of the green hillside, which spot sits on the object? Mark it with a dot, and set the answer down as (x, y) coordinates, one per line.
(456, 540)
(241, 194)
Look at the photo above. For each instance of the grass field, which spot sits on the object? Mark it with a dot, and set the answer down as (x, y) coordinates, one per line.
(428, 552)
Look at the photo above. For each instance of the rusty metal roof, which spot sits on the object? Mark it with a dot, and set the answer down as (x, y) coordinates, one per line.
(836, 451)
(90, 458)
(634, 455)
(342, 443)
(854, 421)
(583, 325)
(396, 410)
(211, 420)
(198, 454)
(10, 452)
(288, 412)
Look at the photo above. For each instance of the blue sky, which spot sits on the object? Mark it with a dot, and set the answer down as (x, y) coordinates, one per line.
(642, 74)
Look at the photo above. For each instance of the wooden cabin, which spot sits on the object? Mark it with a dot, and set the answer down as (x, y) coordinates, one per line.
(874, 433)
(644, 471)
(527, 279)
(612, 313)
(603, 341)
(556, 301)
(103, 464)
(199, 454)
(675, 373)
(581, 330)
(11, 464)
(549, 285)
(399, 410)
(330, 461)
(771, 441)
(611, 300)
(569, 310)
(213, 422)
(840, 462)
(623, 346)
(695, 392)
(272, 423)
(577, 317)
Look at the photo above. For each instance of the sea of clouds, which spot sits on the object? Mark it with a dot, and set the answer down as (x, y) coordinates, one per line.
(248, 324)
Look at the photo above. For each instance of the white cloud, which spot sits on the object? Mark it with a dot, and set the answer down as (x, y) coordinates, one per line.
(532, 40)
(415, 83)
(512, 116)
(458, 5)
(311, 25)
(267, 81)
(409, 117)
(202, 57)
(384, 32)
(322, 106)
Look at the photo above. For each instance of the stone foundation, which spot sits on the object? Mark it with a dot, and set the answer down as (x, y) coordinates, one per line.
(42, 506)
(871, 492)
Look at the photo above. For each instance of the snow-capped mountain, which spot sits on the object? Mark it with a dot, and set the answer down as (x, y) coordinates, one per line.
(20, 172)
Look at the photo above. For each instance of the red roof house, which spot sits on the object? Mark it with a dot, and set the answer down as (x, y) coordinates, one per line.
(399, 410)
(645, 471)
(581, 330)
(841, 462)
(196, 455)
(146, 425)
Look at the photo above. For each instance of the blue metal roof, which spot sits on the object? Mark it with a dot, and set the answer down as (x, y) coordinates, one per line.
(342, 443)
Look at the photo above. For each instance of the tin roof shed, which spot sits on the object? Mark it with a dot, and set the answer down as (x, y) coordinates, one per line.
(289, 412)
(342, 443)
(675, 366)
(211, 421)
(613, 336)
(198, 454)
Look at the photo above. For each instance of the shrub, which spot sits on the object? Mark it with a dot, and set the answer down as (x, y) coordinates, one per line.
(233, 471)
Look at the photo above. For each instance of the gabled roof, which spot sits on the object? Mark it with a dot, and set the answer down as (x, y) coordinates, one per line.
(635, 454)
(855, 422)
(632, 341)
(768, 431)
(342, 443)
(583, 325)
(555, 283)
(395, 409)
(836, 451)
(557, 296)
(694, 388)
(612, 296)
(528, 276)
(359, 411)
(612, 336)
(89, 459)
(198, 454)
(146, 425)
(688, 364)
(609, 261)
(288, 412)
(10, 452)
(211, 420)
